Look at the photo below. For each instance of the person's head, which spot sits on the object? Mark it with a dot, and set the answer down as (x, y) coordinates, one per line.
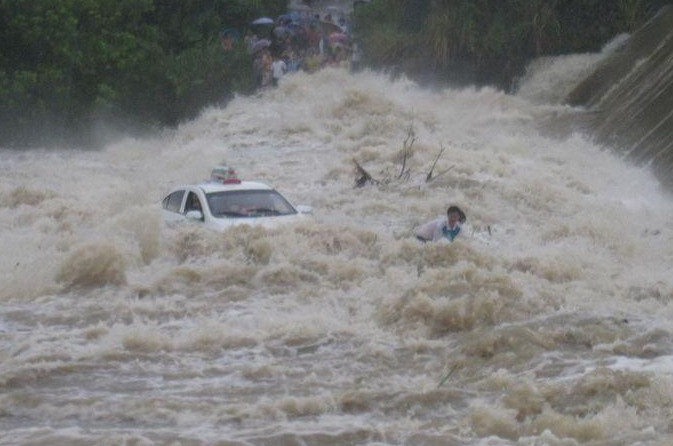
(455, 215)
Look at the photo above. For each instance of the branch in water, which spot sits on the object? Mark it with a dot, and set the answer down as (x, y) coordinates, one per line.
(432, 169)
(406, 149)
(363, 176)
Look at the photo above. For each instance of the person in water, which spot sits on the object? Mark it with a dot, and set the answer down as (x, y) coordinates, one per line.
(447, 228)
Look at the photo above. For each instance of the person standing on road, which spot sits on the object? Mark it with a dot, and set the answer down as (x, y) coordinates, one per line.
(279, 68)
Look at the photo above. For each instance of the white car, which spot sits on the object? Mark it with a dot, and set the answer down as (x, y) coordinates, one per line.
(222, 204)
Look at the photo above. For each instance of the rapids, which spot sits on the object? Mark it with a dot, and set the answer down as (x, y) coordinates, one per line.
(547, 323)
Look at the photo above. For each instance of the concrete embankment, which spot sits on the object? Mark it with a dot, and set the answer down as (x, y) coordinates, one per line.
(630, 97)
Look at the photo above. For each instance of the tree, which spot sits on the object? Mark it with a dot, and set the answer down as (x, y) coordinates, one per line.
(66, 64)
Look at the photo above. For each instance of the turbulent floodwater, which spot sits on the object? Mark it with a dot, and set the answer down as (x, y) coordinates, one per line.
(548, 323)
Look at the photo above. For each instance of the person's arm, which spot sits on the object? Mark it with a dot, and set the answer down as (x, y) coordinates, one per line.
(438, 233)
(427, 231)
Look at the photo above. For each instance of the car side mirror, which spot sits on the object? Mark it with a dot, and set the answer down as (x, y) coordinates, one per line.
(303, 209)
(194, 215)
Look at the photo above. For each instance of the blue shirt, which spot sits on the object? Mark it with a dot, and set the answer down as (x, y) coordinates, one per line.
(449, 233)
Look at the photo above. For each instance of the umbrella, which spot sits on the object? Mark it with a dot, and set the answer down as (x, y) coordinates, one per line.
(295, 28)
(338, 37)
(263, 21)
(290, 17)
(330, 28)
(260, 45)
(285, 18)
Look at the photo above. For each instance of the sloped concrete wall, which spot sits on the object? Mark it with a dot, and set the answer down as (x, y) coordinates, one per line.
(630, 97)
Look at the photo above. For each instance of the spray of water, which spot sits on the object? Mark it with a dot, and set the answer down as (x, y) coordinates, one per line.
(551, 311)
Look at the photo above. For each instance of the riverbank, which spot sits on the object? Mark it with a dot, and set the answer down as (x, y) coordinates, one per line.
(487, 42)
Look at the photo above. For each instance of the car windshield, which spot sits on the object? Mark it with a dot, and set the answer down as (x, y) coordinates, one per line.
(248, 203)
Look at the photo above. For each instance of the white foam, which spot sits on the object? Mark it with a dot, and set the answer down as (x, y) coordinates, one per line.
(342, 319)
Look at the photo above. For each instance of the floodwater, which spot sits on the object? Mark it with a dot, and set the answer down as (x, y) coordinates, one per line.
(548, 322)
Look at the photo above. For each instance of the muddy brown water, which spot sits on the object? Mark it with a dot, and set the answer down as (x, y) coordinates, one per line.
(548, 322)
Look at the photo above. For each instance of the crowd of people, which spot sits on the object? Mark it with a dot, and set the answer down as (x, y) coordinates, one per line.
(296, 41)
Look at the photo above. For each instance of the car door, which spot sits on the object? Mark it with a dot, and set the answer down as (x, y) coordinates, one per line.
(172, 206)
(193, 203)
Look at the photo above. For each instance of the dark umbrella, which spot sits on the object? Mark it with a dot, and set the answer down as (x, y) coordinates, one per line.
(330, 28)
(287, 18)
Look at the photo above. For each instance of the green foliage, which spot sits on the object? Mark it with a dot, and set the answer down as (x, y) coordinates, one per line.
(218, 74)
(65, 64)
(491, 40)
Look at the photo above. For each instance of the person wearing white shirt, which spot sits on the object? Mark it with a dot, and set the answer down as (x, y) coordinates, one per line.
(279, 68)
(443, 228)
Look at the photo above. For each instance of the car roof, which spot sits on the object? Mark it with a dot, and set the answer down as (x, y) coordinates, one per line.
(212, 186)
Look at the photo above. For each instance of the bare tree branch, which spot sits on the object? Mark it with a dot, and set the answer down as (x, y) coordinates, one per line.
(406, 148)
(441, 173)
(363, 176)
(429, 176)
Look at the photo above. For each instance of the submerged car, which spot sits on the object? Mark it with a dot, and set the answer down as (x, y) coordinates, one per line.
(224, 202)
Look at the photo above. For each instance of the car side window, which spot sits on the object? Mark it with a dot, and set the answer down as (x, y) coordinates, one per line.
(173, 201)
(193, 203)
